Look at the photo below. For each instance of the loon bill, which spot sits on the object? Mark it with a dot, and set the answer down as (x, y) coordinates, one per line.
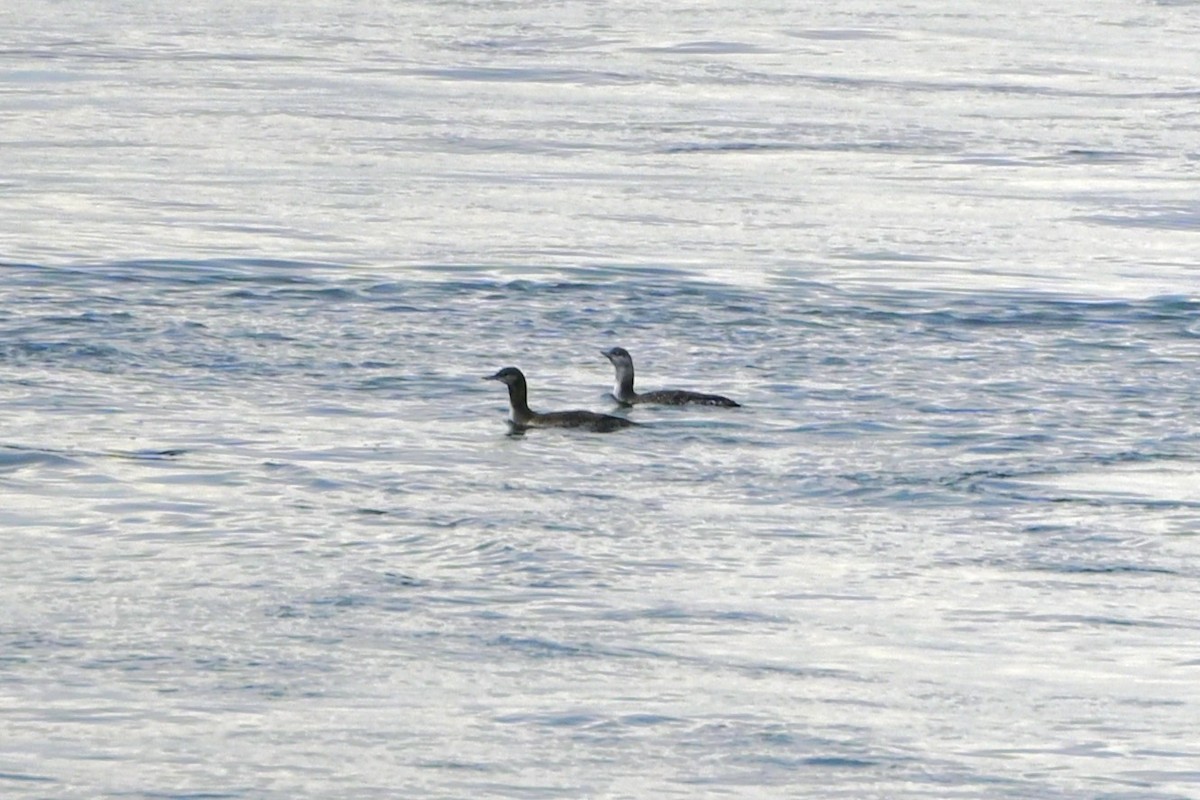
(623, 387)
(521, 416)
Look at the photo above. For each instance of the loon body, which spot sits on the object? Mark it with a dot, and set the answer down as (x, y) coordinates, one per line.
(521, 416)
(623, 387)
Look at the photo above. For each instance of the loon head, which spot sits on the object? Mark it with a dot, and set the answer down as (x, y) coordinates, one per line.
(508, 376)
(618, 356)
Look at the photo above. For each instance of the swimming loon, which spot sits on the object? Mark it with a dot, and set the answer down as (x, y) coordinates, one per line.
(623, 387)
(522, 417)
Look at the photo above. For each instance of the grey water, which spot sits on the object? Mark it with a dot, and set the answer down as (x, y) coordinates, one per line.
(264, 533)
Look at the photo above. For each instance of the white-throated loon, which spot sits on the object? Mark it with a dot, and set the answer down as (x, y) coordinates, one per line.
(522, 417)
(624, 394)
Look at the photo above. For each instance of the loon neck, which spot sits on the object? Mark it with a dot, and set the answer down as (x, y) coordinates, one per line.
(623, 387)
(518, 402)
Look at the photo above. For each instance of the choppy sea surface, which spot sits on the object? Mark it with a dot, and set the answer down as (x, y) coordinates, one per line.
(265, 535)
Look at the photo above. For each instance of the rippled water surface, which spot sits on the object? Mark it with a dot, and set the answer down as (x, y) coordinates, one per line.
(265, 534)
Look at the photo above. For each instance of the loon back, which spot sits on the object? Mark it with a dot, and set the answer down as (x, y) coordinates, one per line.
(588, 420)
(682, 397)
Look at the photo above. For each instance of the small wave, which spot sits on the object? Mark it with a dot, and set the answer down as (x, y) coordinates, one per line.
(1179, 220)
(26, 777)
(523, 75)
(180, 272)
(15, 457)
(841, 34)
(713, 47)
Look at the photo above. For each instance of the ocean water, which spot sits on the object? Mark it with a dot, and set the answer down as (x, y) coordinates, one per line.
(264, 531)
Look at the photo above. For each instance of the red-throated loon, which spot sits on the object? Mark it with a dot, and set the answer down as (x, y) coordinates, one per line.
(522, 417)
(624, 394)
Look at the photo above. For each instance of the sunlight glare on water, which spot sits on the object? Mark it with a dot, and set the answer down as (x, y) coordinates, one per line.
(266, 535)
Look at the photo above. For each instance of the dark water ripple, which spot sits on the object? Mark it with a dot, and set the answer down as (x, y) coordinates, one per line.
(304, 478)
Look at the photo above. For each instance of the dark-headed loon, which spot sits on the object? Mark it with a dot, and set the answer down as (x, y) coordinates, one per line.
(522, 417)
